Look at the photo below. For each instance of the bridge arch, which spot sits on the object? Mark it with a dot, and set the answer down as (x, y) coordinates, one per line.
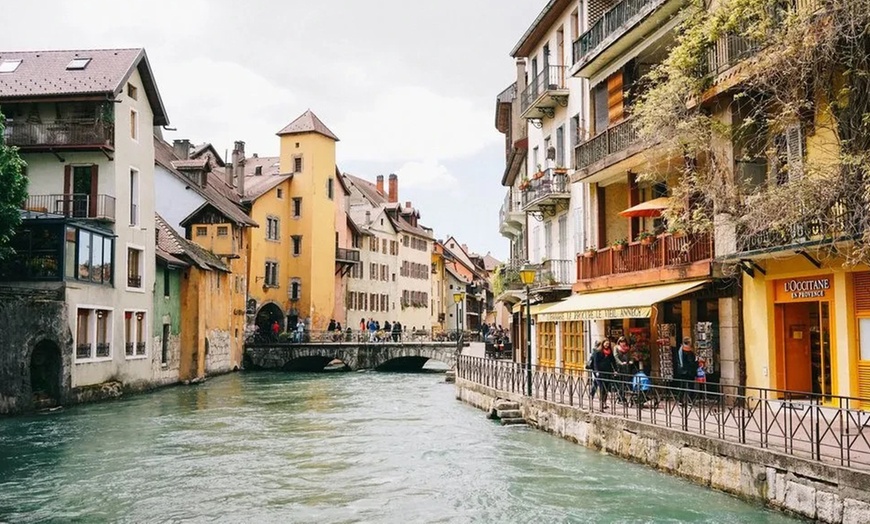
(311, 356)
(267, 314)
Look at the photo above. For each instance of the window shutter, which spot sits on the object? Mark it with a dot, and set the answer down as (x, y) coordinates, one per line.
(794, 151)
(862, 291)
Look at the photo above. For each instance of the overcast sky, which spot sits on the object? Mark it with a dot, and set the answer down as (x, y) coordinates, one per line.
(408, 86)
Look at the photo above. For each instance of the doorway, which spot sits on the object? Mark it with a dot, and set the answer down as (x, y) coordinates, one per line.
(804, 347)
(80, 188)
(45, 374)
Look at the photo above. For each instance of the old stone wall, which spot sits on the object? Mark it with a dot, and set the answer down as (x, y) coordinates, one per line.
(29, 316)
(166, 373)
(817, 491)
(354, 355)
(218, 358)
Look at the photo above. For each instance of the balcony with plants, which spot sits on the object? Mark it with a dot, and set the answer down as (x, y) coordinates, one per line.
(547, 90)
(68, 126)
(547, 191)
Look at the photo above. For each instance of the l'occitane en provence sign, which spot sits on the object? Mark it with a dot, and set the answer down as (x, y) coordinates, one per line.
(808, 288)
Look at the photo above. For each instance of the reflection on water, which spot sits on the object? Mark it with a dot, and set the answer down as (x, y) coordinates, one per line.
(329, 447)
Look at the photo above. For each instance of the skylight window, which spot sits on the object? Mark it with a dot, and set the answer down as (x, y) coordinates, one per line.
(77, 64)
(9, 66)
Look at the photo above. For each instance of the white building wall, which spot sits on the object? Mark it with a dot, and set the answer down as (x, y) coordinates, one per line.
(381, 229)
(174, 202)
(411, 316)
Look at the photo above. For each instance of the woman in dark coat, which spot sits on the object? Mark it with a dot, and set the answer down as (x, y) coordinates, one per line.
(603, 369)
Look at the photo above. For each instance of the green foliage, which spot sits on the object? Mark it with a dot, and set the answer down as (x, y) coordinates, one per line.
(13, 190)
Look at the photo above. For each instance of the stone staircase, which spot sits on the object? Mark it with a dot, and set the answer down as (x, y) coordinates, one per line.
(507, 412)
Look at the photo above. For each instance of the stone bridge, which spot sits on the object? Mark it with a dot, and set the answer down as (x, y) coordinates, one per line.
(385, 356)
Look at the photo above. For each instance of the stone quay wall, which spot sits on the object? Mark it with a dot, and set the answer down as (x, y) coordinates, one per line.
(806, 488)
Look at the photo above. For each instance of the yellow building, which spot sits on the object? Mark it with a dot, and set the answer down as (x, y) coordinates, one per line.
(292, 259)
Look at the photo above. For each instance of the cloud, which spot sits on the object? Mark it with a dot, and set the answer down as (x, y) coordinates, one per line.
(404, 123)
(427, 174)
(219, 102)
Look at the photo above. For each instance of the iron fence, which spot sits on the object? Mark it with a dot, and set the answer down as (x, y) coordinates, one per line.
(358, 336)
(828, 429)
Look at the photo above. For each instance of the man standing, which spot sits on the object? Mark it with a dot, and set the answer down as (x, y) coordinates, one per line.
(686, 368)
(276, 328)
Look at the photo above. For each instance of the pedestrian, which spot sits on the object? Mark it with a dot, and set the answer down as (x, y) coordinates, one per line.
(397, 331)
(331, 326)
(485, 330)
(300, 331)
(685, 369)
(626, 367)
(373, 329)
(276, 328)
(604, 370)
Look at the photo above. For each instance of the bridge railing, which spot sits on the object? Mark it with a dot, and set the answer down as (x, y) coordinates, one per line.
(357, 336)
(828, 429)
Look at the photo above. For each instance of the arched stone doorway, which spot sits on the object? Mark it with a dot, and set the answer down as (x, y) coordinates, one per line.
(45, 374)
(268, 314)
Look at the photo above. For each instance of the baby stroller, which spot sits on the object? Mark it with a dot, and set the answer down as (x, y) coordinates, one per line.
(642, 391)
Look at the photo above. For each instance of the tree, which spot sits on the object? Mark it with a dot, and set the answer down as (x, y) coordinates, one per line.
(13, 190)
(803, 76)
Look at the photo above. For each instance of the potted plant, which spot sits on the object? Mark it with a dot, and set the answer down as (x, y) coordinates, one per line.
(590, 252)
(539, 173)
(676, 230)
(645, 238)
(620, 244)
(560, 170)
(524, 183)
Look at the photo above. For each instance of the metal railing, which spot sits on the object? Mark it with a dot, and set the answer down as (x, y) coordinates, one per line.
(614, 139)
(728, 50)
(549, 183)
(134, 281)
(59, 133)
(550, 79)
(83, 350)
(612, 21)
(841, 222)
(665, 250)
(73, 205)
(348, 255)
(554, 272)
(825, 428)
(357, 336)
(104, 349)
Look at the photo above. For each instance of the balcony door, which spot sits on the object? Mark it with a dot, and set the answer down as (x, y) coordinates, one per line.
(80, 191)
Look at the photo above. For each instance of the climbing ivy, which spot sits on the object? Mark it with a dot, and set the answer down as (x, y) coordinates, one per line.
(13, 190)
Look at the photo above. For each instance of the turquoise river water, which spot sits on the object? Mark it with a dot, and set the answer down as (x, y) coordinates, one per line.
(322, 448)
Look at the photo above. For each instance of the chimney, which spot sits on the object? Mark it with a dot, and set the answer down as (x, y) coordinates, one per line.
(393, 188)
(181, 148)
(368, 217)
(230, 169)
(239, 168)
(380, 184)
(256, 155)
(408, 204)
(258, 170)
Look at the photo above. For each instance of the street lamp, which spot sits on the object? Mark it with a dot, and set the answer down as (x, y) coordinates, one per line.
(457, 298)
(527, 275)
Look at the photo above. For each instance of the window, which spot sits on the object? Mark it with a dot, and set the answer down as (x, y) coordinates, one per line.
(270, 279)
(373, 271)
(93, 333)
(201, 231)
(134, 268)
(78, 64)
(134, 196)
(295, 289)
(9, 66)
(547, 343)
(272, 227)
(373, 244)
(132, 91)
(330, 187)
(164, 349)
(279, 193)
(535, 160)
(572, 345)
(135, 333)
(166, 282)
(384, 246)
(297, 245)
(560, 146)
(222, 231)
(297, 207)
(134, 124)
(297, 164)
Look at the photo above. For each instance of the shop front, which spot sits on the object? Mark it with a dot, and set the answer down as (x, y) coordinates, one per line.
(808, 332)
(653, 319)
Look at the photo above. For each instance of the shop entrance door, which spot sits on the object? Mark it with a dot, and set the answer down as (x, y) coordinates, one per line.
(805, 347)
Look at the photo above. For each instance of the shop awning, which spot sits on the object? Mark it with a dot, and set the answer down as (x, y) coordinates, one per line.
(648, 209)
(536, 308)
(624, 303)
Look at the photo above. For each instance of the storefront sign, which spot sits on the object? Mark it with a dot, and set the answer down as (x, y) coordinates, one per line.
(804, 288)
(597, 314)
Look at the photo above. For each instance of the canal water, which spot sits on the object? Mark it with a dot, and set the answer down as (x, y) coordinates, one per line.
(337, 447)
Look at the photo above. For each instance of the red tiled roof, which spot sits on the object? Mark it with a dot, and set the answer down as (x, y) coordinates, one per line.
(170, 242)
(45, 73)
(307, 123)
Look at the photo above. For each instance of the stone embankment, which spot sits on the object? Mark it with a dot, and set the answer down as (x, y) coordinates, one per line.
(825, 493)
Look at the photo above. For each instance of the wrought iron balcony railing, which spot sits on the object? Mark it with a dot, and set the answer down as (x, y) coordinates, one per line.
(611, 22)
(134, 281)
(73, 205)
(552, 78)
(346, 255)
(60, 134)
(614, 139)
(549, 183)
(554, 272)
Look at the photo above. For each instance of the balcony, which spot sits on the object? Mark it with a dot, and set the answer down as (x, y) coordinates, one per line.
(60, 134)
(546, 91)
(608, 147)
(617, 30)
(134, 281)
(665, 251)
(840, 223)
(345, 259)
(547, 193)
(73, 205)
(555, 273)
(511, 218)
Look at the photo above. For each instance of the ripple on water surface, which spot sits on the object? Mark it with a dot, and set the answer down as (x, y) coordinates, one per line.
(351, 447)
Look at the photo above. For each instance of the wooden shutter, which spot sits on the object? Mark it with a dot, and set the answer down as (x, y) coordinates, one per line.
(614, 98)
(795, 151)
(861, 286)
(92, 207)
